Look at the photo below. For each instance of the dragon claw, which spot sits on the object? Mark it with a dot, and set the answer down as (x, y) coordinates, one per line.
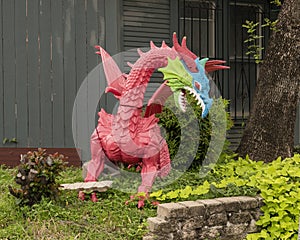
(94, 197)
(81, 195)
(141, 203)
(141, 199)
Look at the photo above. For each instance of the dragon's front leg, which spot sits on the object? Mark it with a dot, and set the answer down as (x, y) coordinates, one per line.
(154, 165)
(96, 165)
(148, 174)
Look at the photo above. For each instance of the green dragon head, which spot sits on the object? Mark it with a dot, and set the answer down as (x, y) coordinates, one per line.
(182, 81)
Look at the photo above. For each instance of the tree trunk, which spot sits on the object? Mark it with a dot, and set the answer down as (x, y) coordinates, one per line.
(269, 132)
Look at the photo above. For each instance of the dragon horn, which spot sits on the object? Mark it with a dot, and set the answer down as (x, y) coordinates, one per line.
(203, 61)
(213, 65)
(183, 45)
(130, 64)
(183, 48)
(164, 45)
(140, 52)
(152, 45)
(185, 53)
(175, 42)
(111, 69)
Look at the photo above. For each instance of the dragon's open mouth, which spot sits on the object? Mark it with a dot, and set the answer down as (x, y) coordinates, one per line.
(183, 101)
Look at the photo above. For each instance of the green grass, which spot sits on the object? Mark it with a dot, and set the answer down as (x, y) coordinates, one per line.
(70, 218)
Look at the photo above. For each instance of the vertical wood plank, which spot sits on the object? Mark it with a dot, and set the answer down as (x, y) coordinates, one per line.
(101, 42)
(81, 130)
(80, 34)
(45, 73)
(112, 26)
(69, 68)
(92, 33)
(1, 77)
(174, 17)
(92, 60)
(112, 38)
(33, 74)
(21, 74)
(9, 73)
(57, 73)
(101, 23)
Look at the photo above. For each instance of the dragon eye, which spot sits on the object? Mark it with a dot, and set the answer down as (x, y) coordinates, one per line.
(197, 85)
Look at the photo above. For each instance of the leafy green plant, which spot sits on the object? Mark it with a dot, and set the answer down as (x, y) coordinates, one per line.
(175, 123)
(37, 176)
(270, 24)
(297, 149)
(220, 182)
(277, 2)
(7, 140)
(280, 188)
(254, 46)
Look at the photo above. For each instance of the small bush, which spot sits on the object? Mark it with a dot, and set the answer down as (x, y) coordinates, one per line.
(297, 149)
(176, 123)
(37, 176)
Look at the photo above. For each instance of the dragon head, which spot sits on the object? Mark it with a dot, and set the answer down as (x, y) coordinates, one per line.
(182, 81)
(187, 74)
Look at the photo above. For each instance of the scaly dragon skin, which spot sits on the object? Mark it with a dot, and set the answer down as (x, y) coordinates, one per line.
(128, 136)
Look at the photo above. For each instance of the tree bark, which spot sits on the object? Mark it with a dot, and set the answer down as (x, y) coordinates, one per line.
(269, 132)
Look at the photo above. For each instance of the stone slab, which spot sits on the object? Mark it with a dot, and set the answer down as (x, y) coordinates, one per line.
(88, 186)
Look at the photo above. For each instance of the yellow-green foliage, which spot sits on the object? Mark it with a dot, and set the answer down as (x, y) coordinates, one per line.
(280, 188)
(278, 183)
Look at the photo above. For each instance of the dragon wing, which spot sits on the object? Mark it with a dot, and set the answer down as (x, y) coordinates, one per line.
(157, 101)
(115, 78)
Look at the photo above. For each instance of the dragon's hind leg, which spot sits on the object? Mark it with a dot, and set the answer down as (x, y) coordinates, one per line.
(96, 165)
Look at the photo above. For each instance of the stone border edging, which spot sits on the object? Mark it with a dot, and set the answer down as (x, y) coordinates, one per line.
(228, 218)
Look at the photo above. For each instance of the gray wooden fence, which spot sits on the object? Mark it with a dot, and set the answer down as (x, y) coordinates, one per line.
(47, 50)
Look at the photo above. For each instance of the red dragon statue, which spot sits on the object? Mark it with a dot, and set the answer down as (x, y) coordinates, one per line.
(133, 137)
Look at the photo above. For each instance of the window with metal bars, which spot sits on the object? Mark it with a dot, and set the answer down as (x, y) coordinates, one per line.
(214, 29)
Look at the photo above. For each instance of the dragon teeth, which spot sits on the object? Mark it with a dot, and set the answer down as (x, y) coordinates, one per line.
(182, 101)
(200, 102)
(197, 97)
